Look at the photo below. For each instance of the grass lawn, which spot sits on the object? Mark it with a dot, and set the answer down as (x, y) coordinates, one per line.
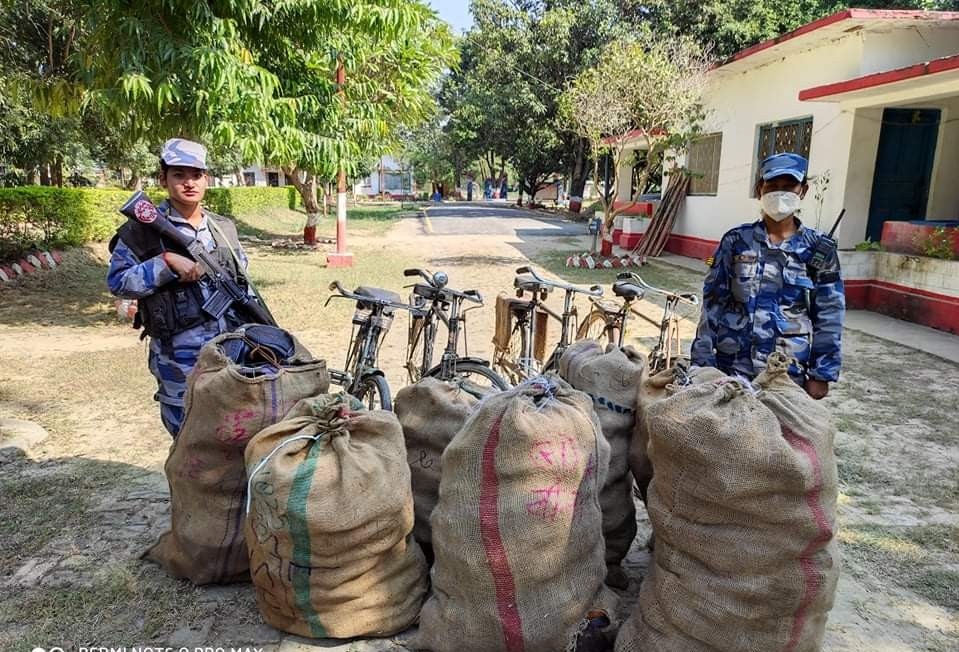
(283, 223)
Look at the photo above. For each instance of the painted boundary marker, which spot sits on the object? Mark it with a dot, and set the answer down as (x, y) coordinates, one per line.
(29, 264)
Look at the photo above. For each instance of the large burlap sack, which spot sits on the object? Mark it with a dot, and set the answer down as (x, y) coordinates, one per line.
(517, 530)
(743, 504)
(611, 377)
(650, 390)
(330, 521)
(431, 411)
(205, 469)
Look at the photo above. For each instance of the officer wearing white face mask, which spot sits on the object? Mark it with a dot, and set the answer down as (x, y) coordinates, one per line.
(766, 292)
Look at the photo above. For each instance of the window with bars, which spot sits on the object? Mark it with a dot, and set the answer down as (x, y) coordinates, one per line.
(703, 163)
(787, 136)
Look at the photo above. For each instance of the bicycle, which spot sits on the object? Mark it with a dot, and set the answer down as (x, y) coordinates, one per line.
(371, 322)
(607, 320)
(434, 302)
(520, 318)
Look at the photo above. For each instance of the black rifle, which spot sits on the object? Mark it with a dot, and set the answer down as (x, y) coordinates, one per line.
(227, 293)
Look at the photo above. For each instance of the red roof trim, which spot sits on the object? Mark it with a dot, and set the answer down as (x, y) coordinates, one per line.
(881, 78)
(862, 14)
(631, 135)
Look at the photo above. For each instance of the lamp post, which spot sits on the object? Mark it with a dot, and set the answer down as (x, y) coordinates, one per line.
(340, 258)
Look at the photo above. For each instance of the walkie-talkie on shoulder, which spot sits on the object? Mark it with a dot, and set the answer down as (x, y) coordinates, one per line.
(826, 247)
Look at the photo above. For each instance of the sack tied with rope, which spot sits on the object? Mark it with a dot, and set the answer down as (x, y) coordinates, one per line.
(517, 531)
(330, 520)
(244, 381)
(743, 505)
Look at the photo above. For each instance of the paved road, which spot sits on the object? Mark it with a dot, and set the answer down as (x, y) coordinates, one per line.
(480, 218)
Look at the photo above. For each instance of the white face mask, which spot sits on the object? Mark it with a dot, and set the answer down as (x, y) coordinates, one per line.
(779, 204)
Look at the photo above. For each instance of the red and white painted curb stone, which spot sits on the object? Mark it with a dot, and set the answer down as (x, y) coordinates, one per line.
(30, 264)
(595, 261)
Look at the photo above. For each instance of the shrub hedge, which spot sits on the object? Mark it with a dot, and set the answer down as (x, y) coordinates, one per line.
(40, 216)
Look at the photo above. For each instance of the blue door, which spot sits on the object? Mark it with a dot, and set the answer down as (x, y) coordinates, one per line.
(907, 148)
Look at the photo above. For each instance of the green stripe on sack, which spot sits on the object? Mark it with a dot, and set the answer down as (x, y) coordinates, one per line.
(300, 533)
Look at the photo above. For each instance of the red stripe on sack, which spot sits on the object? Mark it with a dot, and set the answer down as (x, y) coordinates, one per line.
(503, 581)
(812, 579)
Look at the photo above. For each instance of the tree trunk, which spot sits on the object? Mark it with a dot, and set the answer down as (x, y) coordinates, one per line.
(580, 173)
(44, 175)
(58, 171)
(307, 189)
(135, 182)
(32, 176)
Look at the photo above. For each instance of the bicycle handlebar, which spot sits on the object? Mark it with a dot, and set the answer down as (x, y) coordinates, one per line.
(346, 294)
(685, 297)
(594, 291)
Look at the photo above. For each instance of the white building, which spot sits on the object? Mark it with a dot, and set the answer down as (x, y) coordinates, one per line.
(258, 175)
(871, 97)
(390, 176)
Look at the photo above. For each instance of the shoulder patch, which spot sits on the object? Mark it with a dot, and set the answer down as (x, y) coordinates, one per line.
(711, 261)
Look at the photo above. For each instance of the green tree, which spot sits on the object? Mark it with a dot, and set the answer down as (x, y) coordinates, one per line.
(258, 76)
(604, 107)
(502, 104)
(732, 25)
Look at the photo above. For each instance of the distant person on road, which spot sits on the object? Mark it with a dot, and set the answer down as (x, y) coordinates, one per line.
(768, 291)
(488, 189)
(170, 287)
(503, 190)
(469, 190)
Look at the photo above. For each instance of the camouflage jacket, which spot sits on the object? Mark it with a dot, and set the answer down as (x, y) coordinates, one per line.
(760, 297)
(171, 361)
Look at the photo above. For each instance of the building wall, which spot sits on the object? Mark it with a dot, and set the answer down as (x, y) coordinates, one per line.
(260, 175)
(844, 142)
(944, 192)
(917, 289)
(738, 104)
(905, 46)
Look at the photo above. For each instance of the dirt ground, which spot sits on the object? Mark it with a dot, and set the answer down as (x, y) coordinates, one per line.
(84, 494)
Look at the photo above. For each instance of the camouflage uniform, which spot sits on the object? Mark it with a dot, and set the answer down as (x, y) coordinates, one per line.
(760, 297)
(171, 361)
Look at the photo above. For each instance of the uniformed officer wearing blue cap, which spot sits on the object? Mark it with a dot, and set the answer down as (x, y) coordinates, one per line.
(169, 285)
(762, 294)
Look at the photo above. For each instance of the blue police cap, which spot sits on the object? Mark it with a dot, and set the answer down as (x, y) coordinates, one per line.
(179, 151)
(786, 163)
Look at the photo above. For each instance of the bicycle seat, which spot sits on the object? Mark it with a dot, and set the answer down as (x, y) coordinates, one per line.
(529, 284)
(380, 295)
(628, 290)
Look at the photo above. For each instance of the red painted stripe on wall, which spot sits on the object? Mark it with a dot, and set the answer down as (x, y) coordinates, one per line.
(503, 583)
(692, 247)
(937, 311)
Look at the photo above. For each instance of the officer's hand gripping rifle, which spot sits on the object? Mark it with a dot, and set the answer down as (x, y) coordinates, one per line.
(227, 293)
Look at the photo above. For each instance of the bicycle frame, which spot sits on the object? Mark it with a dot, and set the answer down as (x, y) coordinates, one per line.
(446, 306)
(527, 364)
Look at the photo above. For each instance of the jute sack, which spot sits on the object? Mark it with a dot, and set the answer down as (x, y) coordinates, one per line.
(330, 516)
(611, 377)
(205, 470)
(743, 504)
(650, 390)
(517, 530)
(430, 411)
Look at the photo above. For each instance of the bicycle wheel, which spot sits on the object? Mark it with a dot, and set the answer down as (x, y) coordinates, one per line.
(481, 379)
(595, 327)
(373, 390)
